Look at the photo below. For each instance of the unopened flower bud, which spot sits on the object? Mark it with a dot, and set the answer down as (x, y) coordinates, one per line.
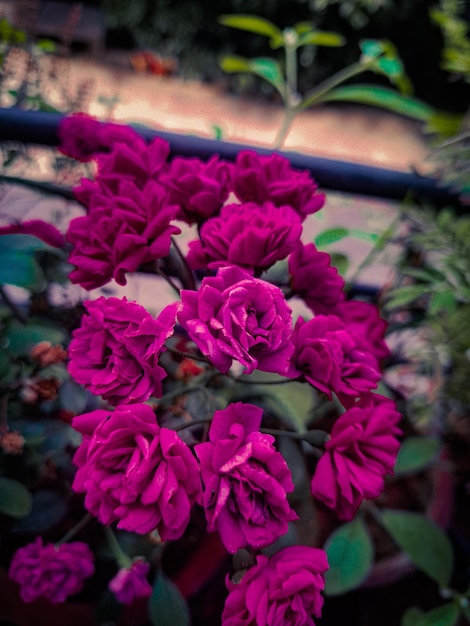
(47, 354)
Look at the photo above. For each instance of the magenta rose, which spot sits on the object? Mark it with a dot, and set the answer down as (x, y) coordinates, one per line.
(135, 473)
(363, 319)
(114, 353)
(284, 590)
(83, 137)
(138, 162)
(248, 235)
(235, 317)
(131, 583)
(314, 279)
(332, 359)
(361, 452)
(271, 178)
(199, 188)
(51, 571)
(127, 231)
(245, 479)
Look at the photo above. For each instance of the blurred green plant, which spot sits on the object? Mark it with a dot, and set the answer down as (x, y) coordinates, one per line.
(380, 57)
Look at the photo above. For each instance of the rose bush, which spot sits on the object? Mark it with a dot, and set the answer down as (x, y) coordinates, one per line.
(180, 436)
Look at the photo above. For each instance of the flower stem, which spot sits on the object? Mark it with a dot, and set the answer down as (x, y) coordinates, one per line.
(248, 381)
(188, 277)
(207, 420)
(75, 529)
(168, 279)
(187, 355)
(313, 437)
(123, 560)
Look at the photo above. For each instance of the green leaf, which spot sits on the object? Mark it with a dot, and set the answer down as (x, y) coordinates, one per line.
(232, 64)
(411, 616)
(21, 338)
(17, 263)
(357, 233)
(383, 98)
(350, 555)
(167, 606)
(266, 68)
(445, 615)
(403, 296)
(390, 67)
(371, 48)
(251, 24)
(15, 499)
(46, 45)
(270, 70)
(340, 261)
(445, 124)
(423, 541)
(442, 301)
(321, 38)
(48, 509)
(327, 237)
(415, 454)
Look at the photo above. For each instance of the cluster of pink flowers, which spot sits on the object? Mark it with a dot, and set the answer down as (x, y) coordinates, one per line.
(144, 477)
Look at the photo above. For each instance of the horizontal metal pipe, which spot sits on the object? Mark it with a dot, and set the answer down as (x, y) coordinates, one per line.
(38, 127)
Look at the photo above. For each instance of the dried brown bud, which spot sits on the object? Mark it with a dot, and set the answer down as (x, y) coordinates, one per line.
(47, 354)
(12, 443)
(47, 388)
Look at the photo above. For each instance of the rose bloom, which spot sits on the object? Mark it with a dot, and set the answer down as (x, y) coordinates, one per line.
(332, 359)
(114, 353)
(138, 162)
(131, 583)
(246, 480)
(83, 137)
(259, 178)
(284, 590)
(127, 231)
(248, 235)
(314, 279)
(363, 319)
(51, 571)
(361, 452)
(199, 188)
(234, 316)
(135, 473)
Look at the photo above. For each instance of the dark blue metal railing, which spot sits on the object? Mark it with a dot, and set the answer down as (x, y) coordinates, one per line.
(37, 127)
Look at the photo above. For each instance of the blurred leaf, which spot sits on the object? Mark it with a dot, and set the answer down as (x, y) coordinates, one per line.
(21, 338)
(327, 237)
(350, 556)
(444, 124)
(383, 98)
(15, 499)
(48, 509)
(218, 132)
(251, 24)
(270, 70)
(232, 64)
(340, 261)
(266, 68)
(445, 615)
(411, 616)
(166, 605)
(320, 38)
(4, 364)
(371, 48)
(357, 233)
(73, 397)
(415, 454)
(442, 301)
(108, 609)
(403, 296)
(46, 45)
(423, 541)
(17, 263)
